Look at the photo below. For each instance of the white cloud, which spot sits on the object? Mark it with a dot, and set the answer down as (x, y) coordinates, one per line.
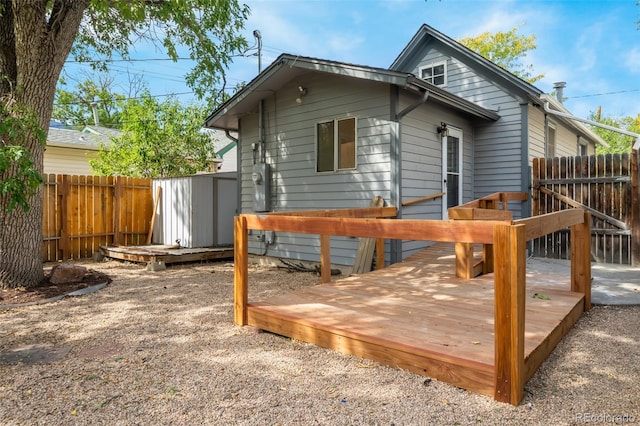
(632, 60)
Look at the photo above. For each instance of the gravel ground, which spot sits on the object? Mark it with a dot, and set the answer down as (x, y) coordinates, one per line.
(161, 348)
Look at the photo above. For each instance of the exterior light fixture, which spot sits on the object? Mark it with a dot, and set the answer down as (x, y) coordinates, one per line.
(302, 91)
(442, 129)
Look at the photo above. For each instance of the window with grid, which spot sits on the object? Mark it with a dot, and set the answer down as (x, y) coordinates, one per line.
(435, 74)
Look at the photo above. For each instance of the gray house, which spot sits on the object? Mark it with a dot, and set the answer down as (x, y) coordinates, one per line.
(320, 134)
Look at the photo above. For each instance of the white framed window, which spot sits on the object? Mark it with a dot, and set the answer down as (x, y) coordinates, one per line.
(550, 149)
(435, 73)
(336, 145)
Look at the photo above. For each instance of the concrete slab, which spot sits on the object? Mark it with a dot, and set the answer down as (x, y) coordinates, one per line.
(610, 285)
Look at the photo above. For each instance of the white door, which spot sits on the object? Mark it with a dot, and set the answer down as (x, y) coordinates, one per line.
(451, 170)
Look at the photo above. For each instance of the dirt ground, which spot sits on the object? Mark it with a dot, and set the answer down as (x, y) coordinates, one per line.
(161, 348)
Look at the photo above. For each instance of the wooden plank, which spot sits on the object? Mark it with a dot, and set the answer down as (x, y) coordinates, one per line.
(581, 259)
(153, 213)
(241, 271)
(379, 253)
(538, 226)
(404, 229)
(421, 199)
(370, 212)
(366, 246)
(544, 349)
(510, 278)
(464, 260)
(460, 372)
(466, 213)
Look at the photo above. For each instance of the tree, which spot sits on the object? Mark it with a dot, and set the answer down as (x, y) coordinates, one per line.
(76, 106)
(618, 142)
(37, 36)
(507, 50)
(160, 139)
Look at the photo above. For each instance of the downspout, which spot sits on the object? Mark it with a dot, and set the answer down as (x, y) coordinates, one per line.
(263, 154)
(636, 145)
(396, 160)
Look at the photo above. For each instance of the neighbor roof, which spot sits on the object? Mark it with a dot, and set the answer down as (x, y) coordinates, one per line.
(89, 138)
(287, 67)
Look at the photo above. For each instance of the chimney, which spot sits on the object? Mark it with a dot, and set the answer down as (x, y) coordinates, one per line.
(94, 107)
(559, 88)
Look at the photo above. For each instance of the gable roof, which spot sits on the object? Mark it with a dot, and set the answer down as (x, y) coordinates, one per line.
(287, 67)
(426, 34)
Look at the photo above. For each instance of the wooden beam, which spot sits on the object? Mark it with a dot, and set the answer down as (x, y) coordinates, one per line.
(370, 212)
(419, 230)
(464, 261)
(325, 258)
(241, 271)
(581, 259)
(594, 212)
(544, 224)
(153, 214)
(420, 199)
(379, 253)
(510, 281)
(468, 213)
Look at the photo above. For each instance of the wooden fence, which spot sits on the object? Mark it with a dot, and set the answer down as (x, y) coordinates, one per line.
(81, 213)
(605, 186)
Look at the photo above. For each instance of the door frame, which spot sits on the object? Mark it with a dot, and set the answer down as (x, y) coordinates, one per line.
(453, 132)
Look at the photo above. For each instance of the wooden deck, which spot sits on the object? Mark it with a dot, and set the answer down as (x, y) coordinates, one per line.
(417, 315)
(488, 334)
(166, 254)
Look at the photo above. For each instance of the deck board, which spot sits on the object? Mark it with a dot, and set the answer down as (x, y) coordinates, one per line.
(419, 316)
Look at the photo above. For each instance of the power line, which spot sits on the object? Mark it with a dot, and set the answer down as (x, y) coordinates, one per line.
(603, 94)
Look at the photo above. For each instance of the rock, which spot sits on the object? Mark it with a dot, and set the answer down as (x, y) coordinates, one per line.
(156, 266)
(67, 273)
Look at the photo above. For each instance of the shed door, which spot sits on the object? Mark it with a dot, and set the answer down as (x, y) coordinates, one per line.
(451, 170)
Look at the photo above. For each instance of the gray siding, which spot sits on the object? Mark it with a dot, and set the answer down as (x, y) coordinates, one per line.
(422, 162)
(290, 150)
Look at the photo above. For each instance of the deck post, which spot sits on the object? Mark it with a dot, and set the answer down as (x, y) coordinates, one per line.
(325, 258)
(464, 260)
(241, 271)
(509, 299)
(581, 259)
(379, 253)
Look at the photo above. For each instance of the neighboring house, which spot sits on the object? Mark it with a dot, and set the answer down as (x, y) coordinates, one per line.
(226, 150)
(320, 134)
(69, 151)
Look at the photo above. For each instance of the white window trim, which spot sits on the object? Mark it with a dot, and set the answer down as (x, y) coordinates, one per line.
(433, 65)
(554, 127)
(456, 132)
(335, 145)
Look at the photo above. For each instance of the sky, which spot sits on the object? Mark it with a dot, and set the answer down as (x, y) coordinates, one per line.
(593, 46)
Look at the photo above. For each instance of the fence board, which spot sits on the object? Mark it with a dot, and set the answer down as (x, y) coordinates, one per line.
(603, 185)
(81, 213)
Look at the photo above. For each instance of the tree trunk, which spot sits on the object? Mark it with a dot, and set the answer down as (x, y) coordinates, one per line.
(31, 59)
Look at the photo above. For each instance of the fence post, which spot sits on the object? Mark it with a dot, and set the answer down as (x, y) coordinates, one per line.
(117, 209)
(509, 299)
(241, 271)
(65, 241)
(635, 209)
(581, 259)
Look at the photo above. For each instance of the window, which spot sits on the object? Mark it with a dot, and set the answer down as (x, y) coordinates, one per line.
(336, 145)
(435, 74)
(551, 140)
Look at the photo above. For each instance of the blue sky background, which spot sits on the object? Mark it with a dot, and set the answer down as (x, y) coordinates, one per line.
(592, 45)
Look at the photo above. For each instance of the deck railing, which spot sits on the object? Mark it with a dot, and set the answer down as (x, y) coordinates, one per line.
(507, 238)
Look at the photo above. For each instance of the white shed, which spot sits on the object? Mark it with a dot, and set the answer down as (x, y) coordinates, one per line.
(196, 211)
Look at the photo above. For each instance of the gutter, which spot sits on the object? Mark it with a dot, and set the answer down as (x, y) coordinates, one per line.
(636, 145)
